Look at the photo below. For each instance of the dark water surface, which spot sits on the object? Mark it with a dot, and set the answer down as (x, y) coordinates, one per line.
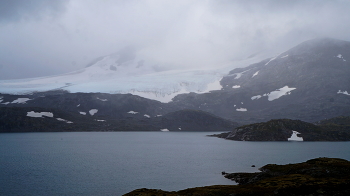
(114, 163)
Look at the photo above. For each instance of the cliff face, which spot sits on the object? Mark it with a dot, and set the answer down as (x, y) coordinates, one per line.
(282, 129)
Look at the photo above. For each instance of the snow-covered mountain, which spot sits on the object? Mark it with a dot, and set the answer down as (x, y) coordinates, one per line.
(310, 82)
(123, 72)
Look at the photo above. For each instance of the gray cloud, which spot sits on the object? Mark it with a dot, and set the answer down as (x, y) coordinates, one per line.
(16, 10)
(51, 37)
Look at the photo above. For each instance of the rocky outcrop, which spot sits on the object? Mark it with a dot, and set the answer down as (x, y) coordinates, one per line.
(282, 130)
(320, 176)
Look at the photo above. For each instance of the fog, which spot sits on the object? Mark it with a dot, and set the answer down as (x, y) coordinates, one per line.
(40, 37)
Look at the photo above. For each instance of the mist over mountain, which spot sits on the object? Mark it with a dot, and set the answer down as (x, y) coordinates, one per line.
(308, 82)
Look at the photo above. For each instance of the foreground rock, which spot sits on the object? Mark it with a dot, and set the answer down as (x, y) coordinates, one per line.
(321, 176)
(335, 129)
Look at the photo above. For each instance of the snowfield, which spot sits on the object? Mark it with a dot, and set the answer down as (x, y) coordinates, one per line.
(109, 76)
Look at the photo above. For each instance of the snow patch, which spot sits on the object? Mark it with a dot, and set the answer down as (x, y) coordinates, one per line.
(132, 112)
(256, 97)
(78, 105)
(21, 100)
(179, 128)
(239, 75)
(39, 114)
(241, 109)
(295, 137)
(100, 120)
(102, 99)
(270, 60)
(61, 119)
(236, 86)
(279, 93)
(343, 92)
(93, 111)
(164, 130)
(82, 113)
(284, 56)
(147, 116)
(255, 74)
(341, 57)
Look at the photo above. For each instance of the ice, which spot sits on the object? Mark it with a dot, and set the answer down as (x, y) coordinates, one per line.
(128, 77)
(61, 119)
(82, 113)
(93, 111)
(179, 128)
(21, 100)
(78, 105)
(236, 86)
(256, 97)
(284, 56)
(343, 92)
(147, 116)
(241, 109)
(39, 114)
(164, 130)
(132, 112)
(295, 137)
(100, 120)
(255, 74)
(158, 115)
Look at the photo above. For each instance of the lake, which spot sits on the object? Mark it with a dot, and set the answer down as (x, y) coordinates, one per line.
(114, 163)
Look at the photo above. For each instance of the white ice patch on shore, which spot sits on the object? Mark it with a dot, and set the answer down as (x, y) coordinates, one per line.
(39, 114)
(284, 56)
(295, 137)
(93, 111)
(147, 116)
(21, 100)
(236, 86)
(343, 92)
(82, 113)
(61, 119)
(279, 93)
(241, 109)
(164, 130)
(255, 74)
(78, 105)
(100, 120)
(132, 112)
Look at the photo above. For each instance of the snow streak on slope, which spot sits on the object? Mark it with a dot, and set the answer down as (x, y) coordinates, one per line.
(108, 75)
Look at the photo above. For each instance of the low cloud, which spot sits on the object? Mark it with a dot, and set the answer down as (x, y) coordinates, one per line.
(52, 37)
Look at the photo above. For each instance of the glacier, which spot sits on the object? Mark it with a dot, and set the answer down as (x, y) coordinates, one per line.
(109, 75)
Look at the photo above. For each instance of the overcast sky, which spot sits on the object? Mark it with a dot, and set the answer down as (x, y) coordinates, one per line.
(45, 37)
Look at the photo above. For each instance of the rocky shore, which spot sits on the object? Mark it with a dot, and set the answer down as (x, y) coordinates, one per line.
(320, 176)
